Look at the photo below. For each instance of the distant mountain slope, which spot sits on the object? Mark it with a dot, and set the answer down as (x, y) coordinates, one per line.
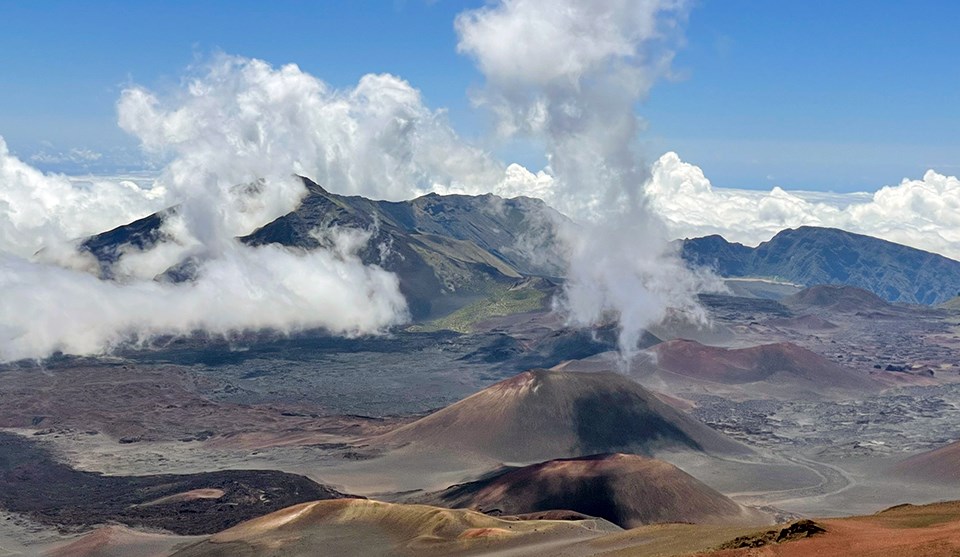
(952, 303)
(810, 256)
(448, 251)
(628, 490)
(779, 370)
(493, 224)
(844, 299)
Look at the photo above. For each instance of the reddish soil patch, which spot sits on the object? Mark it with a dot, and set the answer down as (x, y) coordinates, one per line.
(783, 361)
(903, 531)
(939, 465)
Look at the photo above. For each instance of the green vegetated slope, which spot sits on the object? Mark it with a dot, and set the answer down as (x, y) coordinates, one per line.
(519, 298)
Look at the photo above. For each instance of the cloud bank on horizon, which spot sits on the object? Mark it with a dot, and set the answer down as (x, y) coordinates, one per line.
(922, 213)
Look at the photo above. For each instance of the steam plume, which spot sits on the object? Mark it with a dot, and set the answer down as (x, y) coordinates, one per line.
(570, 74)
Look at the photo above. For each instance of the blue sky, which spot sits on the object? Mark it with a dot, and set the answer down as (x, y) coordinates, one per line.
(819, 95)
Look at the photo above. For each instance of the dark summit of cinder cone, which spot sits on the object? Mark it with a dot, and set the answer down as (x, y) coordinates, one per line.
(628, 490)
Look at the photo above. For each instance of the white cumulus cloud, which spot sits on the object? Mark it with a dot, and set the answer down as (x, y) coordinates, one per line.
(42, 210)
(376, 139)
(47, 308)
(922, 213)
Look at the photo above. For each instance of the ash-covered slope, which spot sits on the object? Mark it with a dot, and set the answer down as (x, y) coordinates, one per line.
(446, 250)
(627, 490)
(810, 255)
(540, 414)
(940, 465)
(373, 528)
(119, 541)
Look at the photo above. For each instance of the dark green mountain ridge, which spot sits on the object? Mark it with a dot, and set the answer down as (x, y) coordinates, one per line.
(450, 251)
(447, 251)
(812, 256)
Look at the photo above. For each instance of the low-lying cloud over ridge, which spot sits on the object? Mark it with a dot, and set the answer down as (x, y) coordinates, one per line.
(47, 308)
(923, 213)
(234, 136)
(37, 209)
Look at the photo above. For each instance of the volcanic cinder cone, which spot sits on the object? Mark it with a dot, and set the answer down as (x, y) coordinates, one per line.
(628, 490)
(540, 414)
